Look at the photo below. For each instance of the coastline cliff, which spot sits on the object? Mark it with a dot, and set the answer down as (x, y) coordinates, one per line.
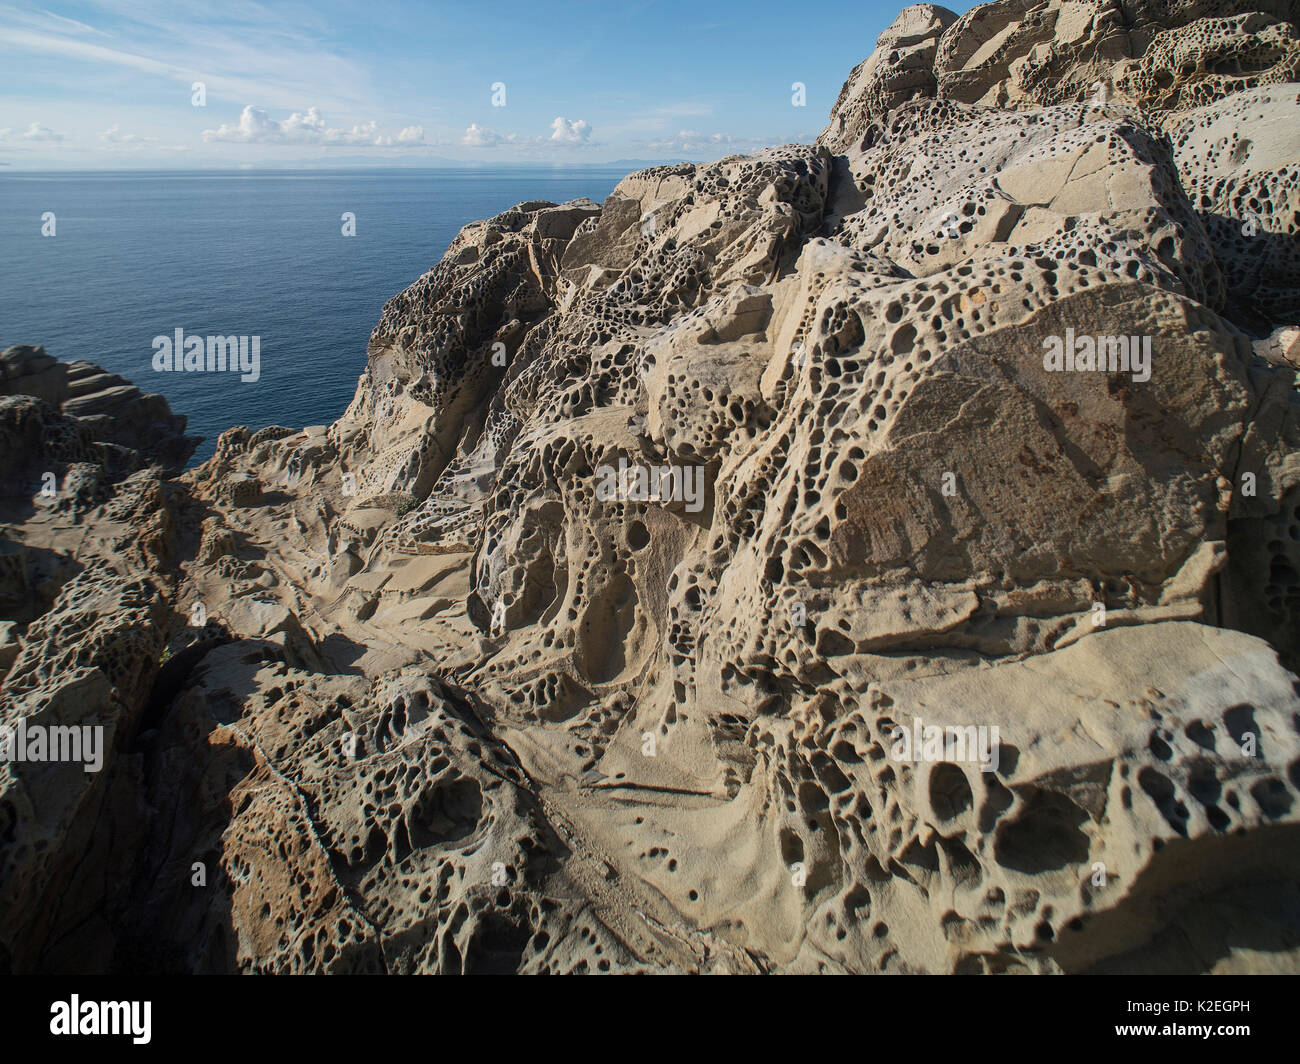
(587, 639)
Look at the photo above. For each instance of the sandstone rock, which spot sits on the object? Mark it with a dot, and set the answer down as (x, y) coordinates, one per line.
(1209, 59)
(1239, 162)
(9, 644)
(900, 69)
(132, 429)
(587, 638)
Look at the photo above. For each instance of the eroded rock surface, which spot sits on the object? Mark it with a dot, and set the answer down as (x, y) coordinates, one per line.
(417, 691)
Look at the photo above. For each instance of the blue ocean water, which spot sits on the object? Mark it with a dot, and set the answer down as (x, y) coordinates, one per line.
(249, 253)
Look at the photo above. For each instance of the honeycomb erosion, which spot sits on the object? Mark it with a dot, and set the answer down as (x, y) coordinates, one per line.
(412, 693)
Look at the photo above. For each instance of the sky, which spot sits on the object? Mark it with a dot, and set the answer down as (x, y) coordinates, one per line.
(180, 85)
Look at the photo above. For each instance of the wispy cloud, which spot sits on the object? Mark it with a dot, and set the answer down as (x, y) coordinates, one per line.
(689, 142)
(38, 132)
(252, 54)
(79, 27)
(113, 137)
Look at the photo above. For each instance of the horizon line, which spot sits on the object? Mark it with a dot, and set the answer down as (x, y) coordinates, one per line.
(631, 166)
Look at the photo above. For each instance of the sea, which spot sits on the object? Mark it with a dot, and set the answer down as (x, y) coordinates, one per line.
(136, 255)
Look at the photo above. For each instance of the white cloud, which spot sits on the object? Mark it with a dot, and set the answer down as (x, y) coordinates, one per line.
(36, 131)
(565, 132)
(408, 137)
(114, 137)
(478, 137)
(255, 126)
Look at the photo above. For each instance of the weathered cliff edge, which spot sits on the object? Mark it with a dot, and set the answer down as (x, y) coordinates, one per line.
(453, 708)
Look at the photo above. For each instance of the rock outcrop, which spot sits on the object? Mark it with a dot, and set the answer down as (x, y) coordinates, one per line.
(611, 627)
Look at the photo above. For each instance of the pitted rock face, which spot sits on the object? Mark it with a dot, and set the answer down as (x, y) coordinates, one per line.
(1209, 59)
(1239, 163)
(1025, 54)
(609, 628)
(900, 69)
